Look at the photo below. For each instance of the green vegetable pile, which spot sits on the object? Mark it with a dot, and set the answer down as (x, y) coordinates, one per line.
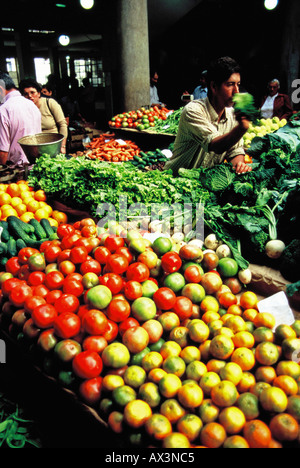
(244, 104)
(170, 125)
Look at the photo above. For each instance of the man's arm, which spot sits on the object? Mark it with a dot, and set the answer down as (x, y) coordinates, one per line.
(3, 157)
(223, 143)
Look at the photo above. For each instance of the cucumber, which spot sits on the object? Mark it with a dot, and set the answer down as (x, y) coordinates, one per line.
(3, 249)
(5, 235)
(47, 227)
(39, 231)
(20, 244)
(16, 227)
(12, 247)
(3, 261)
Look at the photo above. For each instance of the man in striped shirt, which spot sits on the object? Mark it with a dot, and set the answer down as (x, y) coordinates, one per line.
(209, 132)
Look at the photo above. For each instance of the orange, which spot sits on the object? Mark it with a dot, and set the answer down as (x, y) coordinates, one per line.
(287, 384)
(176, 440)
(213, 435)
(248, 300)
(33, 205)
(205, 350)
(233, 372)
(265, 319)
(190, 425)
(284, 427)
(53, 222)
(273, 399)
(208, 411)
(257, 434)
(169, 385)
(266, 353)
(170, 348)
(60, 217)
(275, 444)
(190, 395)
(232, 419)
(3, 187)
(235, 309)
(209, 303)
(174, 365)
(215, 365)
(235, 323)
(152, 360)
(5, 198)
(15, 201)
(40, 195)
(149, 393)
(236, 441)
(246, 382)
(158, 426)
(190, 353)
(249, 314)
(21, 209)
(224, 331)
(288, 368)
(221, 347)
(243, 339)
(198, 330)
(293, 406)
(110, 382)
(208, 381)
(215, 327)
(136, 413)
(13, 190)
(195, 370)
(180, 335)
(265, 374)
(26, 217)
(8, 212)
(248, 403)
(258, 387)
(291, 349)
(244, 357)
(41, 213)
(47, 208)
(296, 326)
(263, 334)
(284, 331)
(224, 317)
(172, 409)
(224, 393)
(209, 316)
(134, 376)
(156, 374)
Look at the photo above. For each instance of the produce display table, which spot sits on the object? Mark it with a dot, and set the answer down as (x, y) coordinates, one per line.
(147, 140)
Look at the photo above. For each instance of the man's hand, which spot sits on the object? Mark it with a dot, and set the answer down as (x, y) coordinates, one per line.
(244, 123)
(239, 165)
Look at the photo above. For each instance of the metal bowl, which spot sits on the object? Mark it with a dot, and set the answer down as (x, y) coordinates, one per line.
(41, 143)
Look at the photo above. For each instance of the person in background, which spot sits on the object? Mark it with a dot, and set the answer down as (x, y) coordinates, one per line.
(18, 118)
(200, 92)
(276, 104)
(53, 119)
(86, 100)
(47, 90)
(154, 99)
(209, 132)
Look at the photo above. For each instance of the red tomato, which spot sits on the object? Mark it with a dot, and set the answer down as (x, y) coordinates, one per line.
(113, 281)
(183, 307)
(54, 280)
(126, 252)
(67, 303)
(89, 231)
(32, 302)
(135, 339)
(13, 265)
(94, 322)
(44, 315)
(164, 298)
(89, 266)
(154, 329)
(73, 286)
(75, 276)
(67, 325)
(133, 290)
(65, 230)
(128, 323)
(69, 240)
(117, 263)
(193, 274)
(114, 242)
(90, 390)
(53, 295)
(30, 330)
(19, 294)
(44, 245)
(171, 262)
(111, 333)
(35, 278)
(63, 255)
(118, 310)
(87, 364)
(78, 254)
(101, 254)
(25, 253)
(95, 343)
(137, 271)
(88, 242)
(40, 290)
(51, 253)
(23, 272)
(9, 284)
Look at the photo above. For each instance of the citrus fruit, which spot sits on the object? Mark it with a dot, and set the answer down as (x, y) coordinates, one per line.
(248, 403)
(236, 441)
(231, 371)
(172, 409)
(158, 426)
(213, 435)
(190, 425)
(232, 419)
(248, 300)
(273, 399)
(224, 393)
(208, 411)
(176, 440)
(136, 413)
(221, 347)
(244, 357)
(284, 427)
(169, 385)
(257, 434)
(190, 395)
(267, 353)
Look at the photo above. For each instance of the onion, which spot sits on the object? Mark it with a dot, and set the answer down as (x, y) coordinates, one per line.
(274, 248)
(211, 242)
(245, 276)
(196, 242)
(223, 251)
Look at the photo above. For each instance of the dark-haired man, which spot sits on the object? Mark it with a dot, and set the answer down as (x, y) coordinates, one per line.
(18, 117)
(209, 131)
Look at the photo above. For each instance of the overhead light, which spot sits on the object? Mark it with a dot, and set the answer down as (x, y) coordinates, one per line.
(271, 4)
(64, 40)
(87, 4)
(60, 5)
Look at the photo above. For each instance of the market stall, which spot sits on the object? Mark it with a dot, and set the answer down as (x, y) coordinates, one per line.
(155, 336)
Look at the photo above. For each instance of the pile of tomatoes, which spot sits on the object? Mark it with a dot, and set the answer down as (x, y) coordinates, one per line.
(154, 337)
(141, 119)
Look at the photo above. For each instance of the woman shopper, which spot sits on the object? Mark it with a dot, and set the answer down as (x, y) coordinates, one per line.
(53, 119)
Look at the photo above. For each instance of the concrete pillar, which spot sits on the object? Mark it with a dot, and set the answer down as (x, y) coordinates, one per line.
(133, 53)
(24, 54)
